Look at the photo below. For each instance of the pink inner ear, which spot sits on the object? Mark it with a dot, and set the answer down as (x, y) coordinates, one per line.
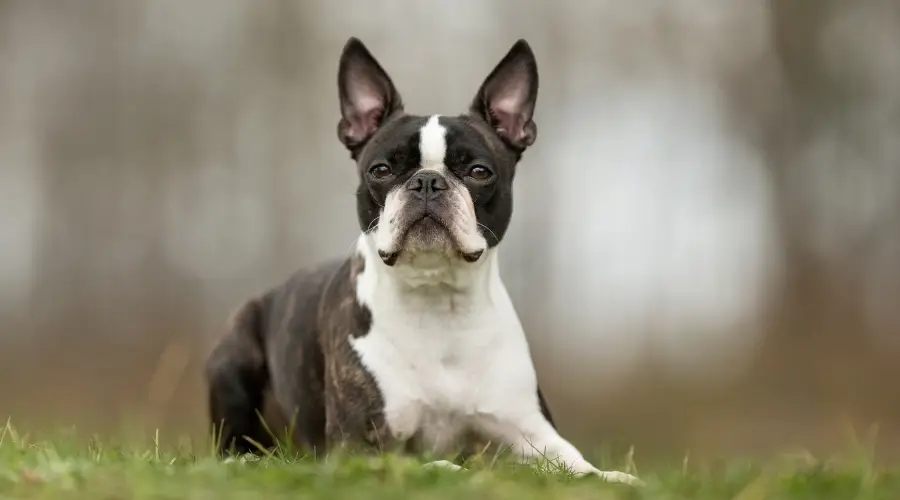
(366, 102)
(507, 110)
(367, 107)
(510, 100)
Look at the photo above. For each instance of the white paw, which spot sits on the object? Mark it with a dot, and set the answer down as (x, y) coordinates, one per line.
(442, 464)
(242, 459)
(613, 476)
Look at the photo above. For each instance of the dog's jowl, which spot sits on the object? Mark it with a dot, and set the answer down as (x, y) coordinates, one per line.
(411, 342)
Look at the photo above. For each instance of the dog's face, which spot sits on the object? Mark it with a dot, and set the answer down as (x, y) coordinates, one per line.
(436, 184)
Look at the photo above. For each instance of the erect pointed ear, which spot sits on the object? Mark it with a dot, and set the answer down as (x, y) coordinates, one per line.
(507, 97)
(367, 95)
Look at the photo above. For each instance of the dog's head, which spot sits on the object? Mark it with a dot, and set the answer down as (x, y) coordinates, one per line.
(436, 184)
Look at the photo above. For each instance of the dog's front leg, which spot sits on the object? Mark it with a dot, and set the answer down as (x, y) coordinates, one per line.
(532, 437)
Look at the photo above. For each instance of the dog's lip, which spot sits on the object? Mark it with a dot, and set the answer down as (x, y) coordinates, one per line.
(429, 215)
(390, 258)
(469, 257)
(426, 215)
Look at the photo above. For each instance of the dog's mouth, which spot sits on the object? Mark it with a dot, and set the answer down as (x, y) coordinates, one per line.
(427, 231)
(427, 222)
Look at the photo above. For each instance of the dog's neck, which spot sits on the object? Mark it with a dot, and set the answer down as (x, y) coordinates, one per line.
(429, 282)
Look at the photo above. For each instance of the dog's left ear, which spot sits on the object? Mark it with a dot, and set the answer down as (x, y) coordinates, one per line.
(508, 95)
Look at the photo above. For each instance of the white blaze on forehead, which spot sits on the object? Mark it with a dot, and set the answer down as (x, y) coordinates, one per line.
(433, 143)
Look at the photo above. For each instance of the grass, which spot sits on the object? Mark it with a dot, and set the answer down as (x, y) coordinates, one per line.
(71, 468)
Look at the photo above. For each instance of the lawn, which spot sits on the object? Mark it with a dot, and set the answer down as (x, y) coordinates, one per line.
(70, 468)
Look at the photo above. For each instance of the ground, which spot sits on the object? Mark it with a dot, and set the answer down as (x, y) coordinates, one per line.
(68, 468)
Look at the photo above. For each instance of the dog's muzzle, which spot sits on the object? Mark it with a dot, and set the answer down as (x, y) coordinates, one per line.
(430, 217)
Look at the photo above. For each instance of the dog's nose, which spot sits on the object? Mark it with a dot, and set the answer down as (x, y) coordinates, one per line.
(427, 184)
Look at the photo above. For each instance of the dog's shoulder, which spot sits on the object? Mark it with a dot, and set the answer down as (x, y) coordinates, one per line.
(340, 313)
(294, 304)
(281, 306)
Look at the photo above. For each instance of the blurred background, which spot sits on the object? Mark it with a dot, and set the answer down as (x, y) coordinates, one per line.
(734, 288)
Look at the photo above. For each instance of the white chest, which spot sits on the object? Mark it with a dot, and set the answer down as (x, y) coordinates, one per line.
(443, 371)
(439, 376)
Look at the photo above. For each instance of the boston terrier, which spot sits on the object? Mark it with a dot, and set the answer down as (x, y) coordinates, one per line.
(411, 343)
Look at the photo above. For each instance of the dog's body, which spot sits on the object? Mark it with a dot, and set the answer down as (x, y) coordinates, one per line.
(412, 342)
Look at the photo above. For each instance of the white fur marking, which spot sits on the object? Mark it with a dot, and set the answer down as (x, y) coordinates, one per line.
(451, 356)
(460, 218)
(387, 231)
(442, 464)
(433, 144)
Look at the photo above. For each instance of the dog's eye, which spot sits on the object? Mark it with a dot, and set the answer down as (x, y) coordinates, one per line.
(380, 170)
(480, 172)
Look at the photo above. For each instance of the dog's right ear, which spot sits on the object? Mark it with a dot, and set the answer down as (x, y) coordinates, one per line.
(367, 95)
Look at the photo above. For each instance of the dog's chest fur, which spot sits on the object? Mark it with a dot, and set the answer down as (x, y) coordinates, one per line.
(444, 362)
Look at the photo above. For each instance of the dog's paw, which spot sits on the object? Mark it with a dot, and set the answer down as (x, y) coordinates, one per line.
(242, 459)
(613, 476)
(442, 464)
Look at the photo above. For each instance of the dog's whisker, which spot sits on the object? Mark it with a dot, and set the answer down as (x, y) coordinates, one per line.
(488, 229)
(372, 226)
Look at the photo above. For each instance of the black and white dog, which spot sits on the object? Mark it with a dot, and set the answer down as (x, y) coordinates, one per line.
(412, 342)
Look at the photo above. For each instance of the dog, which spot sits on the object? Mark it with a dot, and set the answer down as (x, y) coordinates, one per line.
(412, 342)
